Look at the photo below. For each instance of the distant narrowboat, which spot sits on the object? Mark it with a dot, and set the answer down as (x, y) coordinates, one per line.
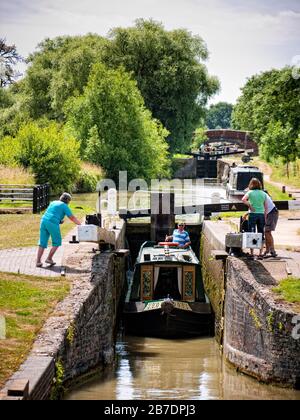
(166, 296)
(239, 179)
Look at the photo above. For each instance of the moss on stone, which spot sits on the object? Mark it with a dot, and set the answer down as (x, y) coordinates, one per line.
(58, 389)
(255, 318)
(270, 322)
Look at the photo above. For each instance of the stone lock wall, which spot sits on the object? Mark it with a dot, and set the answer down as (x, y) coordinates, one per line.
(213, 271)
(223, 169)
(80, 334)
(186, 168)
(258, 331)
(214, 283)
(254, 329)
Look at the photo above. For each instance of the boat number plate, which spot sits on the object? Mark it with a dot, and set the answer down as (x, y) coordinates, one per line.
(157, 305)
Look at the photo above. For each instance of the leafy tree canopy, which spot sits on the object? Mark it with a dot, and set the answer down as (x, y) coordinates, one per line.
(59, 69)
(269, 106)
(200, 137)
(270, 96)
(219, 116)
(170, 73)
(115, 129)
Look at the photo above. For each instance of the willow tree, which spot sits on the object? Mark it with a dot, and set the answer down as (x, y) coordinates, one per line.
(170, 73)
(59, 69)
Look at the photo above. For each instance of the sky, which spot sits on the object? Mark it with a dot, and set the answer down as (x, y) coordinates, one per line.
(244, 37)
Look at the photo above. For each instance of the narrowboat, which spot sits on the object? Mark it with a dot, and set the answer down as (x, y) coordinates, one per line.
(166, 296)
(239, 179)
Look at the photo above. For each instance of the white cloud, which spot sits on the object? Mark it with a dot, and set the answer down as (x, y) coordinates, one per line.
(243, 37)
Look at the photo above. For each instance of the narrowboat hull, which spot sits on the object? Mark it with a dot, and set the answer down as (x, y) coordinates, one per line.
(195, 322)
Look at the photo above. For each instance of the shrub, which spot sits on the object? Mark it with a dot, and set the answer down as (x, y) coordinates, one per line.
(115, 129)
(88, 178)
(9, 150)
(52, 155)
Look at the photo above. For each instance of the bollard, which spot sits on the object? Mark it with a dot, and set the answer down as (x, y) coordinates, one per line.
(284, 189)
(74, 240)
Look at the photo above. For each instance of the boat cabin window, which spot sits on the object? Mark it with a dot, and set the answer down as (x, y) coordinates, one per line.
(167, 281)
(244, 179)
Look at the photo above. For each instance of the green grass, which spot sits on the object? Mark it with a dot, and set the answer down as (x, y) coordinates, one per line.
(22, 230)
(276, 193)
(18, 205)
(279, 174)
(25, 303)
(232, 215)
(182, 156)
(289, 290)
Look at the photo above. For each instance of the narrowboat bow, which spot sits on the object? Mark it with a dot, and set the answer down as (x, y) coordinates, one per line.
(166, 296)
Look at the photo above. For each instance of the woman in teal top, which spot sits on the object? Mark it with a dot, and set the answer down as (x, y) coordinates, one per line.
(256, 200)
(50, 222)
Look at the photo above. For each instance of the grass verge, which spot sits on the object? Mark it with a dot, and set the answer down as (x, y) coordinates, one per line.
(25, 304)
(15, 175)
(22, 230)
(289, 290)
(276, 193)
(279, 174)
(182, 156)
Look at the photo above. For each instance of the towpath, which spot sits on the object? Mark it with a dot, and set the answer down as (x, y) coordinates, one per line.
(23, 260)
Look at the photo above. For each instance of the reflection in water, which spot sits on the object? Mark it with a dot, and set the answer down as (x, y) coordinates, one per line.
(154, 369)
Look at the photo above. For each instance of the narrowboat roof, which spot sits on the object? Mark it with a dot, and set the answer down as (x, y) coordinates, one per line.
(151, 253)
(245, 169)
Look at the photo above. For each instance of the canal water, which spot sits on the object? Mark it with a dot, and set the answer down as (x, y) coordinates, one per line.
(155, 369)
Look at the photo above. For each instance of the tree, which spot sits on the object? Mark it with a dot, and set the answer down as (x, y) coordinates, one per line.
(200, 137)
(170, 73)
(9, 57)
(219, 116)
(270, 96)
(269, 107)
(115, 129)
(279, 141)
(59, 69)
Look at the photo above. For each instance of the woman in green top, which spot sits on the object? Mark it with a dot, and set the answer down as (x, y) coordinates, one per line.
(50, 222)
(256, 200)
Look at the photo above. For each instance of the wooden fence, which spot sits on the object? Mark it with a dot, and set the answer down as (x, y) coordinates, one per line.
(36, 195)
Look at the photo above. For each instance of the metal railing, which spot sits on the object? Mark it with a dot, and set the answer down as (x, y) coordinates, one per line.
(37, 195)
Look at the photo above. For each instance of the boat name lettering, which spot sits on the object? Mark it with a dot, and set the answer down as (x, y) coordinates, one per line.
(157, 305)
